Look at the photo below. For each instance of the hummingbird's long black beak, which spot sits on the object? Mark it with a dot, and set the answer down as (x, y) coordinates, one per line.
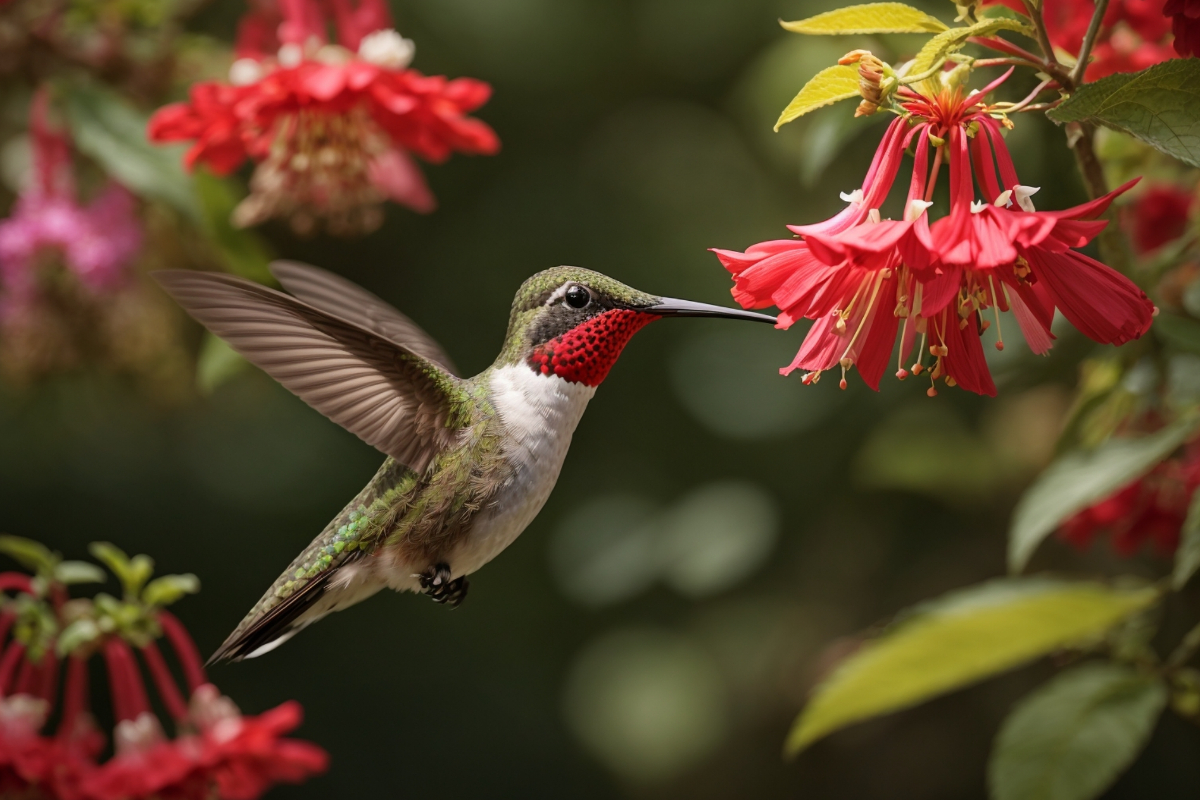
(670, 307)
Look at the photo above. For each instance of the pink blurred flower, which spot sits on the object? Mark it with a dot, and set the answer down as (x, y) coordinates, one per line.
(96, 241)
(330, 126)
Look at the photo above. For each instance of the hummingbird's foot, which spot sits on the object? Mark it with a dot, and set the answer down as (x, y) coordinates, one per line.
(436, 583)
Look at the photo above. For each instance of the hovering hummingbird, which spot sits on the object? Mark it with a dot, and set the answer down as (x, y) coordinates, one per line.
(470, 461)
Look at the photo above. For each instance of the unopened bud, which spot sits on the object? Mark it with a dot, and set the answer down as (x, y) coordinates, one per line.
(876, 80)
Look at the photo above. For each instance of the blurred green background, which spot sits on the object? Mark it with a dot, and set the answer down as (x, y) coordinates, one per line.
(718, 534)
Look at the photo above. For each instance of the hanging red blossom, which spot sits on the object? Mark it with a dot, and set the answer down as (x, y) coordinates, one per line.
(332, 128)
(1151, 509)
(865, 280)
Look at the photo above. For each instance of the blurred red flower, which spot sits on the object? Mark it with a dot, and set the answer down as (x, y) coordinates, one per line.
(1151, 509)
(1185, 24)
(1159, 215)
(863, 279)
(330, 126)
(1133, 36)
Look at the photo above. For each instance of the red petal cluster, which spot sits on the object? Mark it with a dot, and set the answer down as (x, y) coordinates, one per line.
(1150, 509)
(423, 114)
(865, 280)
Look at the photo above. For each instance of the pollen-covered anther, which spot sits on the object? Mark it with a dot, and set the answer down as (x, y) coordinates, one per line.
(846, 362)
(387, 48)
(901, 310)
(931, 392)
(840, 325)
(901, 373)
(918, 368)
(885, 273)
(951, 382)
(999, 344)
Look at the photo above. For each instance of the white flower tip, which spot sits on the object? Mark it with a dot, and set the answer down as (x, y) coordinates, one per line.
(387, 49)
(873, 215)
(245, 71)
(1023, 194)
(290, 55)
(1004, 199)
(915, 209)
(854, 197)
(977, 206)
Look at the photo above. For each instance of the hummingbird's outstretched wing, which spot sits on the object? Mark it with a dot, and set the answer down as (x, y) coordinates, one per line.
(335, 295)
(385, 393)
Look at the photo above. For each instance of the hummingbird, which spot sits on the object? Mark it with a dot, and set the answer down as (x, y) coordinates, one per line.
(470, 461)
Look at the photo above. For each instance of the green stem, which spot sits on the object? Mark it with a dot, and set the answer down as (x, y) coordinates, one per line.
(1089, 40)
(1185, 650)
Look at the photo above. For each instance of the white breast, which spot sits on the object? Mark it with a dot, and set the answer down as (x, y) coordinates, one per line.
(539, 414)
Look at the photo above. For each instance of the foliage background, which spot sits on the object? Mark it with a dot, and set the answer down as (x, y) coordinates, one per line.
(613, 651)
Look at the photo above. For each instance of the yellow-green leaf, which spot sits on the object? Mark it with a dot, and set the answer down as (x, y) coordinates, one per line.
(959, 639)
(1187, 557)
(828, 86)
(868, 18)
(939, 47)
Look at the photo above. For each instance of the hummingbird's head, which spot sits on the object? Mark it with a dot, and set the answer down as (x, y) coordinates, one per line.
(573, 322)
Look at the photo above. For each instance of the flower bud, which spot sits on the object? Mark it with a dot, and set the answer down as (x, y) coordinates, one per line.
(876, 80)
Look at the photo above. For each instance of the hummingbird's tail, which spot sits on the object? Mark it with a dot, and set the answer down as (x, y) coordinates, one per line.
(265, 629)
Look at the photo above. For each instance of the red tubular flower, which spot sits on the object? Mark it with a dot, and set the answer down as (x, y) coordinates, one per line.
(219, 754)
(858, 275)
(1150, 509)
(330, 127)
(1185, 24)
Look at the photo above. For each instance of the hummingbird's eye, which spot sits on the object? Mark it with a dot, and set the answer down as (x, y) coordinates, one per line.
(578, 297)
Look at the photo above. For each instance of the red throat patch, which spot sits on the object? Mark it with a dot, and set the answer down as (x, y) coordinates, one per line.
(587, 352)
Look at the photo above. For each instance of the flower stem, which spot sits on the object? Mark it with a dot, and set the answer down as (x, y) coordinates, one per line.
(1089, 39)
(1185, 650)
(8, 665)
(1034, 8)
(128, 690)
(171, 697)
(185, 649)
(75, 695)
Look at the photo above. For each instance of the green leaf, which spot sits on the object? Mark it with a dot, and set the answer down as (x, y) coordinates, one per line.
(957, 640)
(111, 131)
(73, 572)
(1081, 478)
(244, 252)
(1178, 331)
(79, 633)
(1160, 106)
(839, 82)
(939, 47)
(1072, 737)
(131, 572)
(169, 588)
(1187, 557)
(218, 363)
(34, 556)
(868, 18)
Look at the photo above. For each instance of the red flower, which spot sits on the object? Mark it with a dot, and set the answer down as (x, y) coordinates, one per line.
(245, 756)
(329, 127)
(1132, 37)
(1185, 24)
(858, 275)
(1159, 215)
(1150, 509)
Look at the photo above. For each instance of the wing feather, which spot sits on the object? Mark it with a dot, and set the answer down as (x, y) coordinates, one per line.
(384, 392)
(340, 298)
